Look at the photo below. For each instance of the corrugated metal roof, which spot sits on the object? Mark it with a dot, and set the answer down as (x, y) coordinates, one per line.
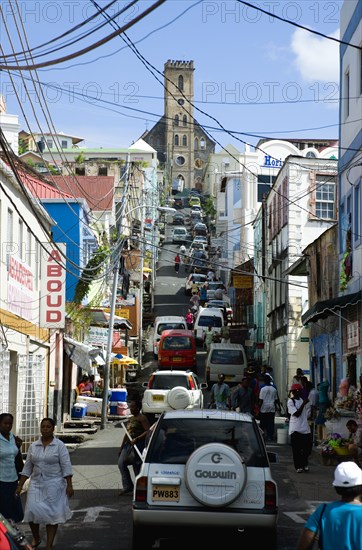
(98, 191)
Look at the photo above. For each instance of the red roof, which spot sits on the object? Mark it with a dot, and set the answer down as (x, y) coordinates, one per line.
(42, 190)
(98, 191)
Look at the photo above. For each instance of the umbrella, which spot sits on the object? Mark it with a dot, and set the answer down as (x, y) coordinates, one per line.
(120, 359)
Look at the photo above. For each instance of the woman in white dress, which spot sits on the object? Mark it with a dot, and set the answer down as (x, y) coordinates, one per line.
(49, 467)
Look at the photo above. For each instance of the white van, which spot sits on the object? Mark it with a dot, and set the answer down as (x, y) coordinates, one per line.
(208, 317)
(179, 234)
(229, 359)
(166, 322)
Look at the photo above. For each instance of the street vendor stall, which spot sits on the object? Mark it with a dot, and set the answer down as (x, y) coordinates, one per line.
(123, 369)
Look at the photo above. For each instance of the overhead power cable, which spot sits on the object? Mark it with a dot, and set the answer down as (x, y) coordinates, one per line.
(89, 48)
(284, 20)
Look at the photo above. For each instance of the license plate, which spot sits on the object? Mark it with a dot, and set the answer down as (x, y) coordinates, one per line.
(157, 398)
(177, 359)
(165, 493)
(229, 378)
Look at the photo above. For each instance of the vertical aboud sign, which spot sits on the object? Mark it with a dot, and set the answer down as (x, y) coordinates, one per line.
(52, 305)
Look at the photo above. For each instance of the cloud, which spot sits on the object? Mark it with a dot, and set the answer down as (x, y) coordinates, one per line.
(316, 58)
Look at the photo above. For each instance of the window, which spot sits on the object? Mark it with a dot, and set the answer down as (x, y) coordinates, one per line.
(180, 102)
(50, 143)
(180, 82)
(176, 140)
(80, 170)
(199, 164)
(184, 140)
(325, 197)
(20, 238)
(184, 120)
(356, 214)
(64, 144)
(202, 143)
(310, 154)
(102, 171)
(180, 160)
(346, 94)
(177, 120)
(28, 247)
(196, 144)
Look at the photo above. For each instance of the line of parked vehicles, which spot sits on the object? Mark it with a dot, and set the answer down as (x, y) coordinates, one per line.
(202, 469)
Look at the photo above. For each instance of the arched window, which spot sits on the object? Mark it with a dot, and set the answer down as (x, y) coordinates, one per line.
(202, 143)
(184, 140)
(176, 139)
(150, 141)
(196, 144)
(158, 142)
(180, 82)
(184, 120)
(177, 120)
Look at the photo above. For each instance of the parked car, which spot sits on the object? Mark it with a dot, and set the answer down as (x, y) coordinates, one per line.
(167, 390)
(194, 201)
(206, 470)
(208, 317)
(177, 348)
(229, 359)
(180, 234)
(200, 229)
(166, 322)
(224, 305)
(198, 246)
(178, 219)
(194, 278)
(199, 239)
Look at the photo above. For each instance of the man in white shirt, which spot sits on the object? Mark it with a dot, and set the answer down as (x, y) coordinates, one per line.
(299, 429)
(268, 401)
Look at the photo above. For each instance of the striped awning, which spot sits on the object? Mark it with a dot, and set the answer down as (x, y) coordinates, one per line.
(322, 310)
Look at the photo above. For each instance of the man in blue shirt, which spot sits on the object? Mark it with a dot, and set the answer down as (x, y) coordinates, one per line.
(338, 522)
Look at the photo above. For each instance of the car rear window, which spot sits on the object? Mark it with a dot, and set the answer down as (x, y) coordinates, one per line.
(176, 439)
(209, 321)
(166, 382)
(170, 326)
(176, 342)
(198, 279)
(227, 357)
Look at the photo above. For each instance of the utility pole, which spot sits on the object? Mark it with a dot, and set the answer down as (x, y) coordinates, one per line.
(107, 366)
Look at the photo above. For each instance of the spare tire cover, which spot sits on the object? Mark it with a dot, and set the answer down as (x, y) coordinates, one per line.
(215, 475)
(179, 398)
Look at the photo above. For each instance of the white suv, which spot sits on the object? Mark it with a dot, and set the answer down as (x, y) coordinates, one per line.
(206, 469)
(168, 390)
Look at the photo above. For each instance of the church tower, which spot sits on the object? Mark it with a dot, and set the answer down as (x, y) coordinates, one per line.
(182, 146)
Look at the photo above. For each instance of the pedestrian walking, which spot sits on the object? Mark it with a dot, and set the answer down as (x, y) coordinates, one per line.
(189, 318)
(208, 338)
(299, 429)
(50, 471)
(339, 522)
(242, 398)
(225, 333)
(137, 429)
(323, 404)
(203, 294)
(220, 394)
(297, 377)
(10, 504)
(268, 402)
(177, 262)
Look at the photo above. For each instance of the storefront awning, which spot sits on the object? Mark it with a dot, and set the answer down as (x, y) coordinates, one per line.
(82, 354)
(322, 310)
(100, 317)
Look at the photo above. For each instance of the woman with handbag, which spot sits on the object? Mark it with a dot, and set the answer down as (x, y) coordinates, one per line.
(136, 431)
(10, 503)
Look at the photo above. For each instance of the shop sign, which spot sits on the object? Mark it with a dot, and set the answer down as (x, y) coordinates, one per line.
(96, 336)
(242, 281)
(20, 288)
(52, 302)
(353, 335)
(123, 313)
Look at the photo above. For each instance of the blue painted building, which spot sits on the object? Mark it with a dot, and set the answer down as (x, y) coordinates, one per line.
(72, 228)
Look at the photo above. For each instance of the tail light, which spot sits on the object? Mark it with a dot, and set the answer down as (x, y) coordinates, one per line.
(270, 495)
(141, 489)
(191, 382)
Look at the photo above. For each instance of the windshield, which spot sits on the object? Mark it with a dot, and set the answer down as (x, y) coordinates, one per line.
(227, 357)
(175, 439)
(209, 321)
(170, 326)
(177, 342)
